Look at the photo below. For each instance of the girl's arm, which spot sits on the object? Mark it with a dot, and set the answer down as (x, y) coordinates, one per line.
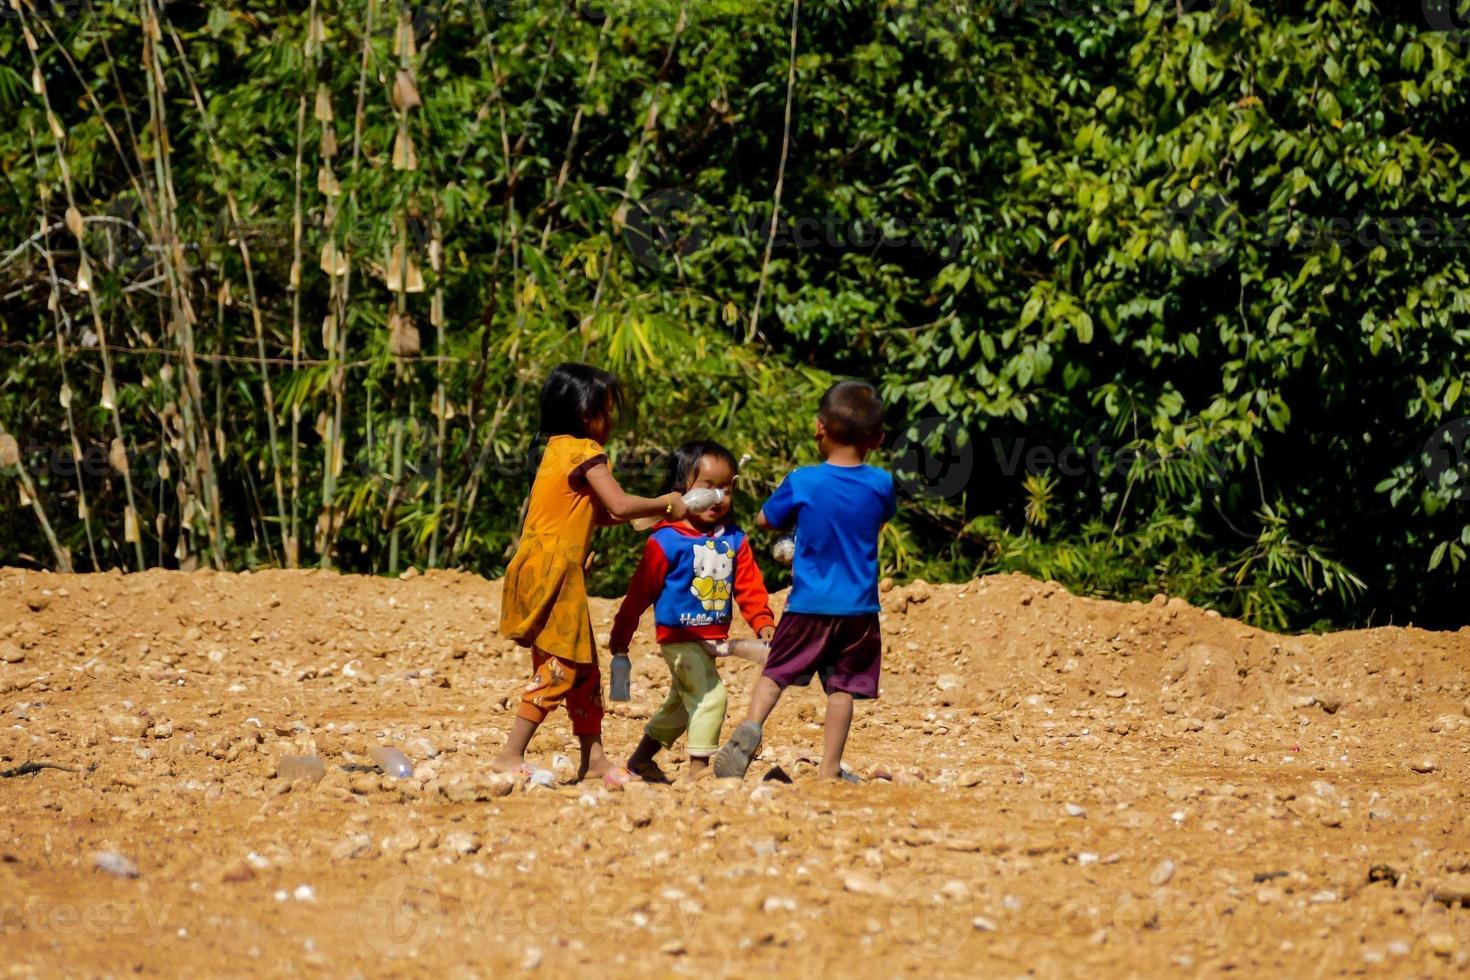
(623, 506)
(643, 590)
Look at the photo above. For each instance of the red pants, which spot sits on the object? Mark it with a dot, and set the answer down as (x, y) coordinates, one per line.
(555, 681)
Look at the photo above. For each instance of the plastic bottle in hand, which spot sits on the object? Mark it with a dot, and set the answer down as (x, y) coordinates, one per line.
(702, 498)
(784, 550)
(622, 671)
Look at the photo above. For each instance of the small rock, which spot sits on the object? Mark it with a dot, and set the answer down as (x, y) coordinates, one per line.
(1116, 692)
(1425, 765)
(364, 783)
(1073, 810)
(532, 959)
(11, 654)
(115, 864)
(1161, 873)
(237, 872)
(460, 842)
(304, 893)
(1454, 890)
(1324, 897)
(776, 903)
(955, 890)
(861, 884)
(948, 682)
(1085, 858)
(1332, 818)
(1442, 943)
(982, 924)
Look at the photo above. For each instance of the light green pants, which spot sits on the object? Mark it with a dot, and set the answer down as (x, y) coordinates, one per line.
(696, 701)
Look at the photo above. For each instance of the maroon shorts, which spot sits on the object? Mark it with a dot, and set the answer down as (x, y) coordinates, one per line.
(846, 651)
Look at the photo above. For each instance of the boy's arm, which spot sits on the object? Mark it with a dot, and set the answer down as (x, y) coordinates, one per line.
(750, 593)
(643, 589)
(780, 510)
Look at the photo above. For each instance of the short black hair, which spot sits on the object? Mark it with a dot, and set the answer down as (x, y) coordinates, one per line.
(684, 463)
(575, 393)
(852, 413)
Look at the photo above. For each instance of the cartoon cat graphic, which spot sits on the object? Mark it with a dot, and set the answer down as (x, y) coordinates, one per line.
(713, 570)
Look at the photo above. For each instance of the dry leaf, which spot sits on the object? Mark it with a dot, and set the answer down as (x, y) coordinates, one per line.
(404, 157)
(326, 182)
(415, 283)
(64, 396)
(405, 91)
(25, 498)
(74, 221)
(332, 262)
(37, 86)
(9, 451)
(117, 457)
(130, 525)
(329, 332)
(436, 310)
(403, 335)
(393, 276)
(84, 276)
(329, 141)
(324, 104)
(404, 47)
(109, 396)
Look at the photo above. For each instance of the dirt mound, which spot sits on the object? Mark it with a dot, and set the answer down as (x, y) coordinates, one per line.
(1072, 786)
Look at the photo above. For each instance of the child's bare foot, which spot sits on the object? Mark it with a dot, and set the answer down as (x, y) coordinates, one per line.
(509, 764)
(697, 765)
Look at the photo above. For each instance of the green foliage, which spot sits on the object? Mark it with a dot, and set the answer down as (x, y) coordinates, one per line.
(1218, 240)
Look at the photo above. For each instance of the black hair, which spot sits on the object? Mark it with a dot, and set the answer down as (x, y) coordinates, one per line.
(852, 413)
(684, 463)
(575, 393)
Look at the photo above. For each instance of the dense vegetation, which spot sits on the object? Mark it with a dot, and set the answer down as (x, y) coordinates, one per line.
(284, 278)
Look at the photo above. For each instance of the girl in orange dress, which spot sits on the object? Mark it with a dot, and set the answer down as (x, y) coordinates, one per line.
(544, 598)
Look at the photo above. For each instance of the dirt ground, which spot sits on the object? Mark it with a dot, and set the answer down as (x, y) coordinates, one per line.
(1066, 787)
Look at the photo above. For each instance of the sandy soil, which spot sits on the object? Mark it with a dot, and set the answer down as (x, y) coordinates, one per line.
(1076, 787)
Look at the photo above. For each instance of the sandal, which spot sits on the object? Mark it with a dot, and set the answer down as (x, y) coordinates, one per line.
(734, 756)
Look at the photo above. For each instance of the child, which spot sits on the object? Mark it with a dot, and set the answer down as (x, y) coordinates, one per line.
(689, 572)
(544, 602)
(830, 626)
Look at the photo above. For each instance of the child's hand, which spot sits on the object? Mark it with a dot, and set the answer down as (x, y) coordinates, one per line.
(675, 506)
(767, 633)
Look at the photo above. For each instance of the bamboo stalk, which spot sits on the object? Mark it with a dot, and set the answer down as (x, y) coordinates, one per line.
(311, 49)
(328, 521)
(242, 239)
(63, 560)
(196, 458)
(441, 398)
(100, 328)
(760, 289)
(63, 328)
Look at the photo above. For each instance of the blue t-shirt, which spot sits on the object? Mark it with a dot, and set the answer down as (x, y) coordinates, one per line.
(837, 512)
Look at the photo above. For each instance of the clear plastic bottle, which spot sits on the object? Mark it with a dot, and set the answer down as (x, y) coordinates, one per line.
(702, 498)
(756, 651)
(620, 683)
(784, 550)
(392, 761)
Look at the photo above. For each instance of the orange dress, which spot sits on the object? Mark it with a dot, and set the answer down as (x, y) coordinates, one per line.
(544, 602)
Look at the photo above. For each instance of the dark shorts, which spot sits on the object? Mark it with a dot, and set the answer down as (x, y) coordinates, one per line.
(846, 651)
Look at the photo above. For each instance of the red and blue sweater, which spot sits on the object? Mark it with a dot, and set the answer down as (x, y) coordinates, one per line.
(690, 578)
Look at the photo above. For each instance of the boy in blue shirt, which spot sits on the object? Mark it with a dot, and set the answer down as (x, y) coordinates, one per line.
(830, 626)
